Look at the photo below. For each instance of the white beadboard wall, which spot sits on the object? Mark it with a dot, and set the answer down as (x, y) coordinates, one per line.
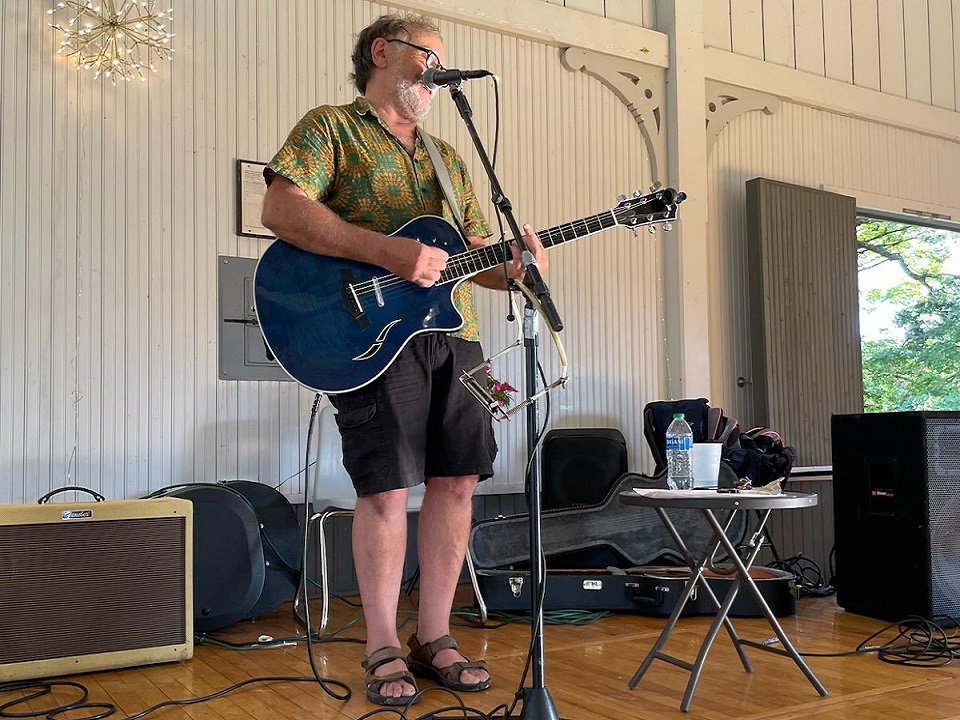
(116, 201)
(908, 48)
(635, 12)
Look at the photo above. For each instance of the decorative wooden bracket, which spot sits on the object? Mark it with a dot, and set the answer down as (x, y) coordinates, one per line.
(641, 87)
(726, 102)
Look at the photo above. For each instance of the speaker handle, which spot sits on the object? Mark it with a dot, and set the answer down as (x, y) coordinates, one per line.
(66, 488)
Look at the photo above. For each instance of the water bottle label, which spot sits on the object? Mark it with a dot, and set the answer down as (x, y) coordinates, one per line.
(679, 442)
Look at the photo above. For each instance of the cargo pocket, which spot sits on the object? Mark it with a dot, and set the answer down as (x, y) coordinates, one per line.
(353, 417)
(365, 456)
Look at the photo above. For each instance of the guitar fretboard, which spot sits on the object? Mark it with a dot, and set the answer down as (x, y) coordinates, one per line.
(471, 262)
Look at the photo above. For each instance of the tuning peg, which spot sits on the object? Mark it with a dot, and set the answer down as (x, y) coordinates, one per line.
(637, 193)
(656, 186)
(652, 229)
(667, 226)
(621, 197)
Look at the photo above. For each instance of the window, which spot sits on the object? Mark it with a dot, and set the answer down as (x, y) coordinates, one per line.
(909, 286)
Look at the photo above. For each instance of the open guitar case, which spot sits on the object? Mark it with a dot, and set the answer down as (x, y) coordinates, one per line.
(604, 555)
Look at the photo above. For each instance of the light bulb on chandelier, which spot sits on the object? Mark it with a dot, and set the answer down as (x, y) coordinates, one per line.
(115, 42)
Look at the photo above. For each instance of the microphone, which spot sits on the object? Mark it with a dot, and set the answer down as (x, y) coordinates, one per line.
(433, 78)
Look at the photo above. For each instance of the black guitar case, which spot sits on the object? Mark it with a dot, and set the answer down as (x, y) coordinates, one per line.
(246, 550)
(634, 533)
(645, 590)
(282, 543)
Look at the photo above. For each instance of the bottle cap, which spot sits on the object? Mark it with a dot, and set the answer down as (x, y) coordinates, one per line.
(678, 416)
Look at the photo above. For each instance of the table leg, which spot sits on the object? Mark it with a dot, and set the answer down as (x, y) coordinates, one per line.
(696, 576)
(744, 576)
(722, 616)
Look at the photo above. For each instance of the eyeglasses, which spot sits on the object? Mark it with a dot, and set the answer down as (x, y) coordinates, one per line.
(432, 61)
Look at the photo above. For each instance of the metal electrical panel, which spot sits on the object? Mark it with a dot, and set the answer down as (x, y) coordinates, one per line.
(243, 353)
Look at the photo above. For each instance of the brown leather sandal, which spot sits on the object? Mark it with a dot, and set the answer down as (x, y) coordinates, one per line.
(372, 683)
(420, 662)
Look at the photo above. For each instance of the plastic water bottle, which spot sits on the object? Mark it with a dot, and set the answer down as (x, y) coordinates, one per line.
(679, 450)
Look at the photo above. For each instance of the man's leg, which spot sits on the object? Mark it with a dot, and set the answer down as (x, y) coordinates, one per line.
(379, 548)
(441, 545)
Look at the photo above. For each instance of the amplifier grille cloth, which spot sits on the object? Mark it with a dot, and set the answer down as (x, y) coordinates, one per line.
(943, 477)
(78, 588)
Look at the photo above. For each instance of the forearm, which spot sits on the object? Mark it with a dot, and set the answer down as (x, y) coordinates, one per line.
(495, 278)
(313, 227)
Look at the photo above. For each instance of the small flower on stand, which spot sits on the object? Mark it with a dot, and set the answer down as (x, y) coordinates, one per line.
(499, 391)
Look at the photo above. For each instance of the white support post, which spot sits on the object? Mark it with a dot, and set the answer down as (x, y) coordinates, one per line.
(685, 257)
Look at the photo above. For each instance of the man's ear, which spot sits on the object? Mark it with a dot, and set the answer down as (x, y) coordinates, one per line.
(378, 52)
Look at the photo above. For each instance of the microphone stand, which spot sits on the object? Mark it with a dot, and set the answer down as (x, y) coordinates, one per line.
(537, 701)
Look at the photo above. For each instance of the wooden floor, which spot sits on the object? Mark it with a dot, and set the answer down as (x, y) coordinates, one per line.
(587, 670)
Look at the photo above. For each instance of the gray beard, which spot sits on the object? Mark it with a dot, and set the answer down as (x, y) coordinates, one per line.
(411, 100)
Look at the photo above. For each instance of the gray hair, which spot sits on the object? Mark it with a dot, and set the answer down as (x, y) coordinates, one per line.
(389, 27)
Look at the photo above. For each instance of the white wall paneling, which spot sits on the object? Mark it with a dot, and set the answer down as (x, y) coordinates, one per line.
(943, 70)
(902, 47)
(552, 23)
(891, 44)
(837, 45)
(746, 22)
(778, 32)
(716, 25)
(917, 47)
(116, 202)
(809, 37)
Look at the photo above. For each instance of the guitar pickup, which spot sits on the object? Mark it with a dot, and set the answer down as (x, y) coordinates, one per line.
(351, 303)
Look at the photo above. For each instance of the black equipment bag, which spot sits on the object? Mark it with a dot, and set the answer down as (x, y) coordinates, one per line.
(761, 457)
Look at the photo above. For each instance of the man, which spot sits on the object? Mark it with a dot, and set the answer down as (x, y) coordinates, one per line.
(346, 176)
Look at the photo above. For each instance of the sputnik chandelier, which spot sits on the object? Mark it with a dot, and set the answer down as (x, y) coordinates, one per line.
(115, 38)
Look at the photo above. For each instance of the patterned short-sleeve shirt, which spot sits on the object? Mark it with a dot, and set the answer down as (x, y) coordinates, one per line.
(346, 157)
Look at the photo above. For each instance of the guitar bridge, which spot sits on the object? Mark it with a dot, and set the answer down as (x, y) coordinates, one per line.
(350, 300)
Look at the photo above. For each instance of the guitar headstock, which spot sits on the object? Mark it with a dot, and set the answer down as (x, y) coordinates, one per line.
(655, 208)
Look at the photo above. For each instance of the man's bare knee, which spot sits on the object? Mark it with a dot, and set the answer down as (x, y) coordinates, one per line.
(384, 504)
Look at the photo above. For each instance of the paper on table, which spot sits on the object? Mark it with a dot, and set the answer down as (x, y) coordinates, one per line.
(665, 494)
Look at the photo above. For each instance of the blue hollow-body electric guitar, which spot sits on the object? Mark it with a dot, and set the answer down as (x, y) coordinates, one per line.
(335, 325)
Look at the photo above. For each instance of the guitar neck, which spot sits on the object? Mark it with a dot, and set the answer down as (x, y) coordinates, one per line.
(471, 262)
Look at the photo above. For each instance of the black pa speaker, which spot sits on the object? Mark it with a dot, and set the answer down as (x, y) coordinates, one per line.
(896, 485)
(580, 465)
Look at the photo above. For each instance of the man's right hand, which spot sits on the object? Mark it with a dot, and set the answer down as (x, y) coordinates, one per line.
(416, 262)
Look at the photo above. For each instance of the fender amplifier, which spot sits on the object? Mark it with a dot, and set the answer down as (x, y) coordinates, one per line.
(92, 586)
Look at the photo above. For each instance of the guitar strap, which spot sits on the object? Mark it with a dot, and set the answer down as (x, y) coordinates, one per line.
(443, 175)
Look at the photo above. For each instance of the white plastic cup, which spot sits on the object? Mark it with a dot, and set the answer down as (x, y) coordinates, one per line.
(705, 463)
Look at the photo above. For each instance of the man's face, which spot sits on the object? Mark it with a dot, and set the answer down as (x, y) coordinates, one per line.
(413, 56)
